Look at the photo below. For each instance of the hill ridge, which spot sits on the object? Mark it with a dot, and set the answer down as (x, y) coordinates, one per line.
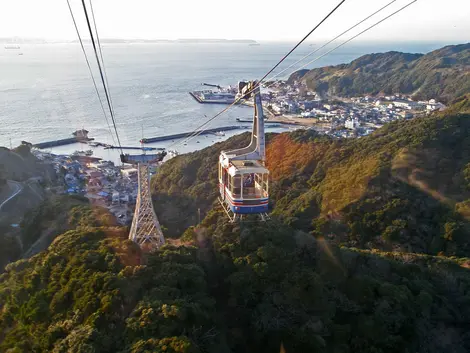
(443, 74)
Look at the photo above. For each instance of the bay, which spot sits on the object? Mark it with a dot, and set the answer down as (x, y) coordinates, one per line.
(47, 92)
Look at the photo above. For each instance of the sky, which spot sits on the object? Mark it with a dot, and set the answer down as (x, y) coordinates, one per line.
(269, 20)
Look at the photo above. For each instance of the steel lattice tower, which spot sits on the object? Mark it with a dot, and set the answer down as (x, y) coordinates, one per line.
(145, 229)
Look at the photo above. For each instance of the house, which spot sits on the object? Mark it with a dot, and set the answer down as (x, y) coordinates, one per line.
(310, 114)
(351, 124)
(70, 179)
(115, 198)
(94, 184)
(308, 105)
(124, 198)
(292, 107)
(129, 173)
(94, 174)
(406, 104)
(405, 115)
(277, 108)
(436, 106)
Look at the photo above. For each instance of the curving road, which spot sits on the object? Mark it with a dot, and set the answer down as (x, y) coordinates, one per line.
(15, 188)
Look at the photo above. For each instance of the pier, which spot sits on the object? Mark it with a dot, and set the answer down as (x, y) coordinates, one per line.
(187, 134)
(109, 147)
(78, 136)
(268, 122)
(198, 99)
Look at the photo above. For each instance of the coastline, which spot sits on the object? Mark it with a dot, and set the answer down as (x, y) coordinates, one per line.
(289, 119)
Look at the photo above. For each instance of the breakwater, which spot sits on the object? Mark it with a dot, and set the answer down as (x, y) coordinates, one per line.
(61, 142)
(187, 134)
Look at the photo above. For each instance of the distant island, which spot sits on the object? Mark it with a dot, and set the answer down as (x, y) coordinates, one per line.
(181, 40)
(19, 40)
(216, 40)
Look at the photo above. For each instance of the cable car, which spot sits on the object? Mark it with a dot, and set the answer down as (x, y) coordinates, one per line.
(243, 177)
(143, 158)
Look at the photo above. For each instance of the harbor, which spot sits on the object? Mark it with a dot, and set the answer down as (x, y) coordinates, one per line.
(209, 97)
(222, 95)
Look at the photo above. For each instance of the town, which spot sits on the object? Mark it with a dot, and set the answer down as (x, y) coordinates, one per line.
(339, 117)
(102, 182)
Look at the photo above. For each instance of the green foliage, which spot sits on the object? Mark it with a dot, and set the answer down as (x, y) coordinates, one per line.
(59, 214)
(10, 246)
(247, 288)
(79, 296)
(441, 74)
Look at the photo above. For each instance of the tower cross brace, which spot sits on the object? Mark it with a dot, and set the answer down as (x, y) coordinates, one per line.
(145, 229)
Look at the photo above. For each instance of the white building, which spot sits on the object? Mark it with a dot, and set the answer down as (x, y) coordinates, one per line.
(129, 173)
(308, 114)
(116, 197)
(352, 124)
(436, 106)
(407, 104)
(278, 109)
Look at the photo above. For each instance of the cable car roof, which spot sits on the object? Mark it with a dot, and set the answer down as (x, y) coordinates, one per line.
(246, 167)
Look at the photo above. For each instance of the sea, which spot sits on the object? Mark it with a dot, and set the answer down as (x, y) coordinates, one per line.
(46, 91)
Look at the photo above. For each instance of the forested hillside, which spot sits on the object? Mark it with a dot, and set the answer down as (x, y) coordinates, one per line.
(242, 289)
(41, 224)
(443, 74)
(405, 187)
(19, 164)
(320, 277)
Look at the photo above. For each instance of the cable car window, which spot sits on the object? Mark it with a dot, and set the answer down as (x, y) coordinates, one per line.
(249, 180)
(265, 184)
(235, 186)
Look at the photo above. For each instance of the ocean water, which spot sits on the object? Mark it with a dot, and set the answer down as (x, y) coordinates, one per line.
(47, 93)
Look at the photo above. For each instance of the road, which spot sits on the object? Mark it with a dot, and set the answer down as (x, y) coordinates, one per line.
(15, 189)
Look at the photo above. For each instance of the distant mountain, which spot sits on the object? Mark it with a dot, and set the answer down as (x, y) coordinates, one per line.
(443, 74)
